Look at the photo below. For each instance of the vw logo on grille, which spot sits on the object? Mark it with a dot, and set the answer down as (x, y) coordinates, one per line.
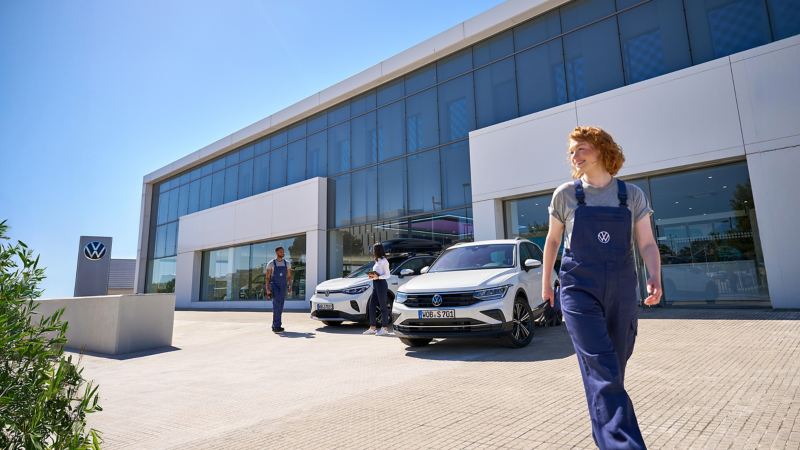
(327, 292)
(437, 300)
(603, 237)
(94, 250)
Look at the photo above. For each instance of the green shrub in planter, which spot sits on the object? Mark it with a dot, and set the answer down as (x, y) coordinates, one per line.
(44, 399)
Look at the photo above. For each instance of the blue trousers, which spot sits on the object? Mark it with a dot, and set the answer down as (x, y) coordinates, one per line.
(278, 299)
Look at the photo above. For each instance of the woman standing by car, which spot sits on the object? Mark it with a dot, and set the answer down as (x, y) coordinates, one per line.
(600, 218)
(380, 293)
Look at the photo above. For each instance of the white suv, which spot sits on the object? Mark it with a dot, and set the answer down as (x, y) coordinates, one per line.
(487, 288)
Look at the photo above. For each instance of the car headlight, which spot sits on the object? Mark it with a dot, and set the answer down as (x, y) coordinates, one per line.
(495, 293)
(355, 290)
(401, 297)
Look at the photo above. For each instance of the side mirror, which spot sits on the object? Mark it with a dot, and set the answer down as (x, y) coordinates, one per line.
(425, 269)
(406, 272)
(532, 263)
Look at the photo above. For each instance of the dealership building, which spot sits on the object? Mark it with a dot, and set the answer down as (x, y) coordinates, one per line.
(463, 137)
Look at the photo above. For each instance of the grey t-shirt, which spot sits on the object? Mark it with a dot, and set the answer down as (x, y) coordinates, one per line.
(564, 203)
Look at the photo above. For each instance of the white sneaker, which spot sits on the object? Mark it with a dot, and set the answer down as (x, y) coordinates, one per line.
(384, 332)
(370, 331)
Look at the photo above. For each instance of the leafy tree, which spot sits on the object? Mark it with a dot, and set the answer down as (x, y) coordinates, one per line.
(44, 399)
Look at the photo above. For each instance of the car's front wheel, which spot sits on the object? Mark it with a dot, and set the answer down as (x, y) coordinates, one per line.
(416, 342)
(522, 324)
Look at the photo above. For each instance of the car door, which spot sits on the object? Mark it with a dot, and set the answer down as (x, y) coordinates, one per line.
(532, 278)
(416, 264)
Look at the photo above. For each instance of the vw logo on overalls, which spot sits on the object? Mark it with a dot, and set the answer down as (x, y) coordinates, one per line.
(603, 237)
(94, 250)
(437, 300)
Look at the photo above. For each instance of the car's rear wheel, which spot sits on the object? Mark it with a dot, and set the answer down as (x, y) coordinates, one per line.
(333, 323)
(416, 342)
(522, 324)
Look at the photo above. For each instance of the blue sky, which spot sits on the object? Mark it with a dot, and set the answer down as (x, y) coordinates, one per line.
(96, 94)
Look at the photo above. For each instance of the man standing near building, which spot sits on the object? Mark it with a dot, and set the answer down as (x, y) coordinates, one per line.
(278, 279)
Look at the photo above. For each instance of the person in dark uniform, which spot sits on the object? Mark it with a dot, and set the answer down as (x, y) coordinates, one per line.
(278, 279)
(601, 218)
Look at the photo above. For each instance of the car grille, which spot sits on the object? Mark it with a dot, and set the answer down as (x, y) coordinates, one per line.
(426, 300)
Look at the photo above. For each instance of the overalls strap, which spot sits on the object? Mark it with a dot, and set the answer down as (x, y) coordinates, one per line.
(622, 193)
(579, 194)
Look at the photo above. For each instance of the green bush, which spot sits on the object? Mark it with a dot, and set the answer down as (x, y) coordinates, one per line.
(44, 399)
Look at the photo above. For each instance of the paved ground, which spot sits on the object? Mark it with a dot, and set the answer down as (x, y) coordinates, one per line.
(698, 379)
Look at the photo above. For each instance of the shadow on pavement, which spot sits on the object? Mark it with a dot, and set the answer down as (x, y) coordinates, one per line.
(548, 343)
(687, 312)
(142, 354)
(345, 328)
(296, 335)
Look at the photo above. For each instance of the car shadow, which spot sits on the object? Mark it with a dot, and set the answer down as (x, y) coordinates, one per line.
(547, 344)
(345, 328)
(296, 335)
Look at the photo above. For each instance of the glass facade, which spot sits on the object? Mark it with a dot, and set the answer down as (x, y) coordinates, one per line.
(705, 227)
(579, 49)
(238, 273)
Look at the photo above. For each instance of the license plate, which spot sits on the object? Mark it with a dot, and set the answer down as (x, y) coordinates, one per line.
(324, 306)
(437, 314)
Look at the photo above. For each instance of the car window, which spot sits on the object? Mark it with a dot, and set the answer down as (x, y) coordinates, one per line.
(525, 253)
(472, 257)
(415, 264)
(536, 252)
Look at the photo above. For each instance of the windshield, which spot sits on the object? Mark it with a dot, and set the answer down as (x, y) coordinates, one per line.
(489, 256)
(361, 271)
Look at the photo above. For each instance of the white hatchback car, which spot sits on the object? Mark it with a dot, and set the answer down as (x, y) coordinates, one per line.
(345, 299)
(487, 288)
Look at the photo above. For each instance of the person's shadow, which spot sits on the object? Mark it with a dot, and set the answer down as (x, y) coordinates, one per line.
(296, 335)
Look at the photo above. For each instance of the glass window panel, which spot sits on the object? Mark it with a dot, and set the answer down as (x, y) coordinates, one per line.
(364, 140)
(194, 196)
(277, 168)
(582, 12)
(246, 153)
(456, 108)
(785, 17)
(163, 208)
(206, 169)
(528, 218)
(424, 182)
(593, 62)
(537, 30)
(363, 103)
(421, 79)
(194, 174)
(390, 92)
(541, 79)
(262, 146)
(455, 175)
(218, 164)
(183, 179)
(391, 140)
(162, 276)
(260, 255)
(341, 196)
(261, 174)
(162, 187)
(217, 276)
(160, 246)
(232, 159)
(493, 48)
(364, 197)
(317, 155)
(278, 139)
(245, 179)
(317, 123)
(496, 93)
(338, 114)
(422, 124)
(719, 28)
(205, 192)
(654, 40)
(241, 273)
(172, 209)
(392, 189)
(231, 183)
(217, 188)
(296, 164)
(297, 131)
(171, 243)
(454, 65)
(339, 148)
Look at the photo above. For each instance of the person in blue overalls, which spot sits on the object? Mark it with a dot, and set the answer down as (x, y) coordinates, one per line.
(600, 217)
(278, 279)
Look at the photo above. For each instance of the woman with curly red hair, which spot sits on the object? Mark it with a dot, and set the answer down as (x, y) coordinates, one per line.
(601, 218)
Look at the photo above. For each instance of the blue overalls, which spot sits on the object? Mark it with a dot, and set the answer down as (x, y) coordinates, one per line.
(599, 304)
(278, 286)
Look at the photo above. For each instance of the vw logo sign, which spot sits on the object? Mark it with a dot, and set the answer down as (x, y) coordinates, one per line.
(327, 292)
(437, 300)
(603, 237)
(94, 250)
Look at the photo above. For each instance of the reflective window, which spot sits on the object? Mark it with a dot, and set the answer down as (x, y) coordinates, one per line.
(421, 79)
(421, 121)
(277, 168)
(217, 188)
(231, 159)
(363, 103)
(261, 174)
(593, 62)
(719, 28)
(163, 207)
(278, 139)
(392, 189)
(582, 12)
(246, 153)
(541, 79)
(456, 109)
(160, 246)
(339, 148)
(172, 208)
(338, 114)
(364, 195)
(161, 277)
(217, 164)
(194, 196)
(297, 131)
(364, 145)
(205, 192)
(654, 40)
(528, 218)
(455, 175)
(317, 155)
(496, 93)
(296, 163)
(538, 30)
(171, 242)
(245, 179)
(317, 123)
(454, 65)
(424, 183)
(390, 92)
(391, 140)
(341, 196)
(262, 146)
(231, 183)
(785, 17)
(183, 200)
(493, 48)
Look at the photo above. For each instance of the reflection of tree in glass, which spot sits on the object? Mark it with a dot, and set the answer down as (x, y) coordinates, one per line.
(741, 201)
